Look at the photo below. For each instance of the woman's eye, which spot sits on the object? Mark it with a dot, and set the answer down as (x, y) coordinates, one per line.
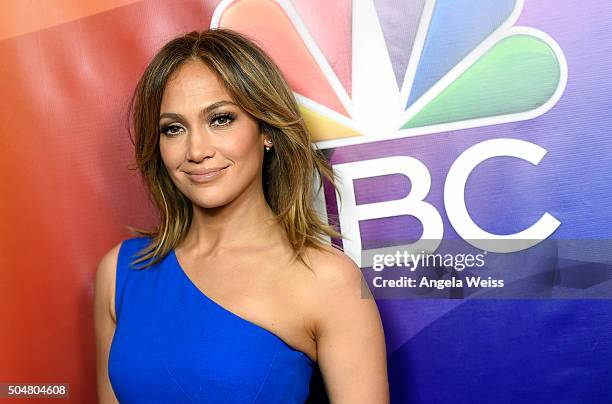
(222, 119)
(171, 130)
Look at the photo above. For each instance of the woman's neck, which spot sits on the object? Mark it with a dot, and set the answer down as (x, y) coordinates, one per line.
(244, 222)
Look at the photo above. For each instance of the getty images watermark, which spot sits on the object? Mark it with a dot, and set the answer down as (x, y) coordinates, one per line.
(411, 262)
(459, 269)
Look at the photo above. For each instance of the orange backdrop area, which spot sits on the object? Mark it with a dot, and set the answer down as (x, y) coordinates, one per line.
(67, 70)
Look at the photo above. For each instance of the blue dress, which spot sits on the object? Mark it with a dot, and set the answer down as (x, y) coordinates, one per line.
(173, 344)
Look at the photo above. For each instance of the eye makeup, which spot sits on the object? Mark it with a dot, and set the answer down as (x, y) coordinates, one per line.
(222, 119)
(215, 120)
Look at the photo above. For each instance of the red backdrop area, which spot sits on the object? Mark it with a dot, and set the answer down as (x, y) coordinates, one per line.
(67, 188)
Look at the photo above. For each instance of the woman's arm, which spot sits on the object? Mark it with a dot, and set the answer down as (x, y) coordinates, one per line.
(104, 321)
(351, 348)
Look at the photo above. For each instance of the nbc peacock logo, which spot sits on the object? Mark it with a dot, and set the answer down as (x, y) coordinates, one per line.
(372, 70)
(411, 68)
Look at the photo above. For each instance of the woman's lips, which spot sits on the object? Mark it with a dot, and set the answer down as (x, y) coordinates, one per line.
(202, 178)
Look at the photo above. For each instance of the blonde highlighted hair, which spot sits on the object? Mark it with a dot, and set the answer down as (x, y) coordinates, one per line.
(258, 86)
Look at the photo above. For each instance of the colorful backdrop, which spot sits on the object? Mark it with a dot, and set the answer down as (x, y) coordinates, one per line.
(464, 120)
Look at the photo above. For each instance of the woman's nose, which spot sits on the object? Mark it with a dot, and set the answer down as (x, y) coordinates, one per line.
(199, 145)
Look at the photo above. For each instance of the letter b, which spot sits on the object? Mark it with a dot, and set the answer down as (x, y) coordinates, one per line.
(350, 214)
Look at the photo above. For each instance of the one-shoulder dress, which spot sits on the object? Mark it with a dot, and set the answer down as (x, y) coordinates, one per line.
(173, 344)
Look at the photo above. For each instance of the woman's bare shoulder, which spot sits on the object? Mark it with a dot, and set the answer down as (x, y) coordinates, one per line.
(323, 251)
(333, 268)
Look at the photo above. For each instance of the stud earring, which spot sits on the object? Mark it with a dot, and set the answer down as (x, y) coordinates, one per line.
(268, 148)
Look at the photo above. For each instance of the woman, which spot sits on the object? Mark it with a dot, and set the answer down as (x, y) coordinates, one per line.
(234, 297)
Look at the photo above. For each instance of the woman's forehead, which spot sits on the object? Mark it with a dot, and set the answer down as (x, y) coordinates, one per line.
(194, 81)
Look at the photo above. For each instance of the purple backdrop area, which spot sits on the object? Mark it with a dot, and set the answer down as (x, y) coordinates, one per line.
(514, 350)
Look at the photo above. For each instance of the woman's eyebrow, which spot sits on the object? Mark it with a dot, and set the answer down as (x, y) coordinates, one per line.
(205, 111)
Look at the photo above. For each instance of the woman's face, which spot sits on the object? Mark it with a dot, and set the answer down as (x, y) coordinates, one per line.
(212, 149)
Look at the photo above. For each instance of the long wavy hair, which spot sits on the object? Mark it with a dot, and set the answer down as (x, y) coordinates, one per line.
(258, 86)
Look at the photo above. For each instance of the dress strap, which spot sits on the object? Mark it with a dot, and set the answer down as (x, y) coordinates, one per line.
(128, 251)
